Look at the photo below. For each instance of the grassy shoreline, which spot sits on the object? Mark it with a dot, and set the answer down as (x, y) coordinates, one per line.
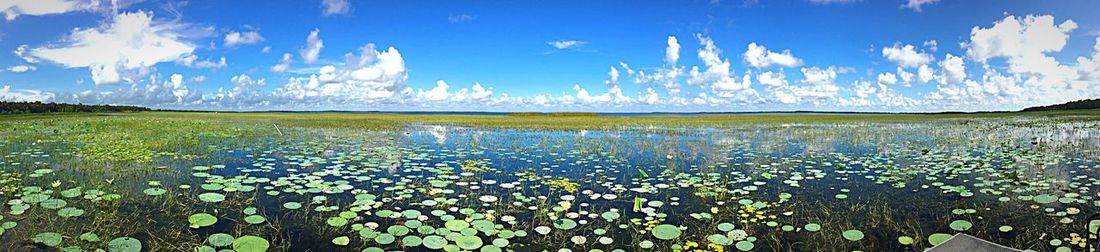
(395, 121)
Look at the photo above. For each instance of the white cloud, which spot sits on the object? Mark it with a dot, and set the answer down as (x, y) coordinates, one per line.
(335, 7)
(717, 74)
(925, 74)
(193, 61)
(916, 5)
(772, 79)
(613, 74)
(7, 94)
(21, 51)
(312, 51)
(12, 9)
(1012, 37)
(21, 68)
(122, 48)
(954, 69)
(932, 45)
(266, 49)
(818, 83)
(283, 63)
(906, 56)
(758, 56)
(672, 52)
(153, 92)
(440, 95)
(566, 44)
(234, 38)
(246, 93)
(371, 76)
(1030, 76)
(887, 79)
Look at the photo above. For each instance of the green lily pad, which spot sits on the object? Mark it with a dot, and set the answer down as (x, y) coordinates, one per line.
(201, 220)
(124, 244)
(212, 197)
(961, 225)
(852, 235)
(250, 243)
(220, 240)
(666, 232)
(341, 241)
(48, 238)
(937, 238)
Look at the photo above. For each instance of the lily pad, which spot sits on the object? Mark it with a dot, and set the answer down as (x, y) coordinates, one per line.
(201, 220)
(124, 244)
(666, 232)
(852, 235)
(250, 243)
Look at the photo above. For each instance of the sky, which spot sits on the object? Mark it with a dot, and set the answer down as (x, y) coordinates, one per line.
(599, 56)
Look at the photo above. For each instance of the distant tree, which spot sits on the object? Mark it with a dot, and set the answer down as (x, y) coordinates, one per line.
(1082, 104)
(39, 107)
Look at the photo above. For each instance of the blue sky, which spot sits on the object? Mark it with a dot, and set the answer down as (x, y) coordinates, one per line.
(904, 55)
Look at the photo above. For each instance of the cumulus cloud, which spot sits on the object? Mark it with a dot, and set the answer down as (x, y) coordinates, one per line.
(906, 56)
(916, 5)
(284, 63)
(758, 56)
(887, 79)
(566, 44)
(246, 93)
(153, 91)
(335, 7)
(672, 52)
(954, 69)
(234, 38)
(1031, 76)
(312, 51)
(613, 77)
(370, 76)
(124, 47)
(441, 94)
(717, 74)
(12, 95)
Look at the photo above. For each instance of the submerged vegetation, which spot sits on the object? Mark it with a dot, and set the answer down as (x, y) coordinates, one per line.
(174, 181)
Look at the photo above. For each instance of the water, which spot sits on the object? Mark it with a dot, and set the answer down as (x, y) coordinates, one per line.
(733, 187)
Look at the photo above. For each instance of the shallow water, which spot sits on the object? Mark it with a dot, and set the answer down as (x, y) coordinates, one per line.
(760, 187)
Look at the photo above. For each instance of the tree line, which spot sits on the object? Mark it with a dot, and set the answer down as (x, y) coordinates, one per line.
(39, 107)
(1082, 104)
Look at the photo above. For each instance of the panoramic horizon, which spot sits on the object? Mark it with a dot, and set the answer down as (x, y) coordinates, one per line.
(662, 56)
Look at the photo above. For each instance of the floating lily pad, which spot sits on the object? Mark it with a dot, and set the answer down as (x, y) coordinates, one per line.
(852, 235)
(212, 197)
(341, 241)
(666, 232)
(254, 219)
(201, 220)
(937, 238)
(960, 225)
(124, 244)
(220, 240)
(250, 243)
(48, 238)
